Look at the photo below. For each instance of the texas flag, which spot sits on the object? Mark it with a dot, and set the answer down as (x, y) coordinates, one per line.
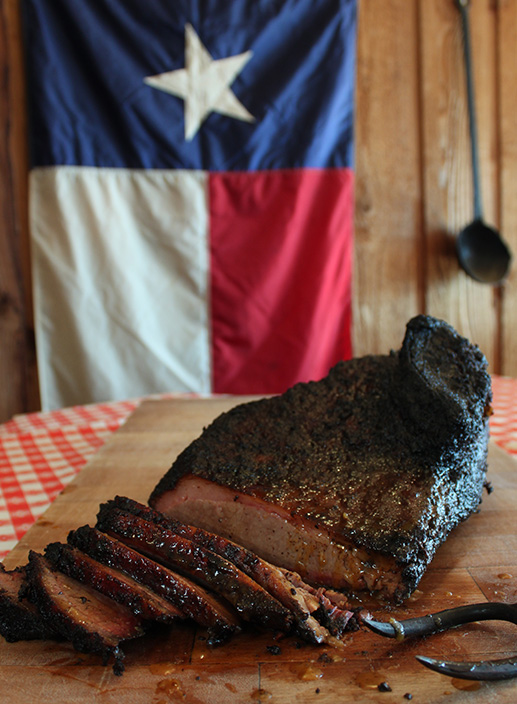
(191, 194)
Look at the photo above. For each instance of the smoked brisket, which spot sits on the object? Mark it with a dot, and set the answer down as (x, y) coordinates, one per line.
(19, 619)
(109, 583)
(352, 481)
(348, 483)
(195, 602)
(120, 587)
(92, 622)
(306, 604)
(250, 600)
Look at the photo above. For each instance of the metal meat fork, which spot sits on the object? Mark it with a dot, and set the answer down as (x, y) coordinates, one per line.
(450, 618)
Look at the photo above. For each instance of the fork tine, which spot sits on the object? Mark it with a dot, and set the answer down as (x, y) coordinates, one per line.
(482, 670)
(451, 618)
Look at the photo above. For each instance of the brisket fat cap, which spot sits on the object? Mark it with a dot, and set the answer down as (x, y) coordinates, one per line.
(387, 453)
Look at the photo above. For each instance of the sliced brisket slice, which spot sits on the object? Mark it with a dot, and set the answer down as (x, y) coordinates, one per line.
(333, 608)
(252, 602)
(301, 599)
(92, 622)
(190, 598)
(19, 619)
(352, 481)
(281, 536)
(113, 583)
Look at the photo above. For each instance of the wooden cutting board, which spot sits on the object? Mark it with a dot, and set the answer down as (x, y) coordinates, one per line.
(477, 563)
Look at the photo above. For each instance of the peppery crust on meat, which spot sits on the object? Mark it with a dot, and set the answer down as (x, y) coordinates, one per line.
(335, 618)
(92, 622)
(251, 601)
(19, 619)
(387, 453)
(113, 583)
(195, 602)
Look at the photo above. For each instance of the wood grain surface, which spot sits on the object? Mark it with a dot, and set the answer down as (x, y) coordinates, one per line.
(414, 174)
(477, 563)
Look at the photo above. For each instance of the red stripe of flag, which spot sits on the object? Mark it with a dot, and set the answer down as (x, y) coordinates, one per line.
(281, 268)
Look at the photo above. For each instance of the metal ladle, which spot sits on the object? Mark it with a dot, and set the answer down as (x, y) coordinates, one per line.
(481, 251)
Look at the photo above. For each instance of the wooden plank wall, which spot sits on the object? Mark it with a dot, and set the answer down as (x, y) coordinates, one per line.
(18, 375)
(414, 184)
(413, 181)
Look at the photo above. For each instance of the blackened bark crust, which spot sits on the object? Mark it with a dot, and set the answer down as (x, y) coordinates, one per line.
(387, 451)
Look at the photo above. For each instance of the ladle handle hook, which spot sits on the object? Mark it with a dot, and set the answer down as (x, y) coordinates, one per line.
(464, 9)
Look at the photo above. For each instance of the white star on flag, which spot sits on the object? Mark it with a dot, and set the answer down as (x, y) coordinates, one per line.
(204, 84)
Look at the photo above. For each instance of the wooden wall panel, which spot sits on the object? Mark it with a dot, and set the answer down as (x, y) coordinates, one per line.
(413, 199)
(507, 94)
(388, 264)
(18, 376)
(447, 167)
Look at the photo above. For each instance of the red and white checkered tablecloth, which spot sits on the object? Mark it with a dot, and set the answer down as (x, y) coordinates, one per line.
(41, 452)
